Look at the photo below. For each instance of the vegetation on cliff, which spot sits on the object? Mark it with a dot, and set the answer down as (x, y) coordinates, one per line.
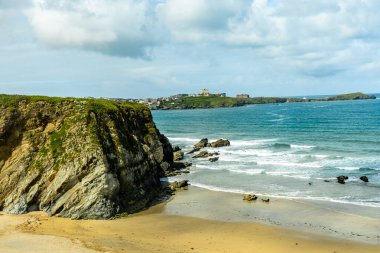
(217, 102)
(79, 158)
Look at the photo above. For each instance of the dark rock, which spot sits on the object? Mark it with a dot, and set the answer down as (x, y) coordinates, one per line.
(364, 179)
(249, 197)
(176, 173)
(220, 143)
(205, 154)
(179, 184)
(202, 154)
(181, 165)
(342, 179)
(194, 150)
(326, 181)
(265, 200)
(176, 148)
(201, 144)
(213, 159)
(178, 156)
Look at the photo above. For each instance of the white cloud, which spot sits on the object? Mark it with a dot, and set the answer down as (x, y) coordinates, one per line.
(198, 20)
(122, 28)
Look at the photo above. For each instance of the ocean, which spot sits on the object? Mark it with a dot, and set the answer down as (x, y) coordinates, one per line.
(291, 150)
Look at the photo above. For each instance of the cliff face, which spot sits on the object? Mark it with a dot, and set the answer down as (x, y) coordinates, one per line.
(78, 158)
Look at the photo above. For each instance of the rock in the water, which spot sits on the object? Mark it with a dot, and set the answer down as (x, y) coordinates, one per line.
(213, 159)
(202, 154)
(342, 179)
(194, 150)
(266, 200)
(181, 165)
(205, 154)
(201, 144)
(176, 148)
(364, 179)
(79, 158)
(178, 156)
(249, 197)
(220, 143)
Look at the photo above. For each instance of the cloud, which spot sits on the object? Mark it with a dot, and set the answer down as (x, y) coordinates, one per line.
(117, 27)
(197, 20)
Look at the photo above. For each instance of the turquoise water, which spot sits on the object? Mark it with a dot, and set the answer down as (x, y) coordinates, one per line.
(285, 150)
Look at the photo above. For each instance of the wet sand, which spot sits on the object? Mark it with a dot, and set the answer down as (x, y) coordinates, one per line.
(193, 221)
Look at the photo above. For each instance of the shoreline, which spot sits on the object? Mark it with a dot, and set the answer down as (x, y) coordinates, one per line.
(314, 217)
(196, 220)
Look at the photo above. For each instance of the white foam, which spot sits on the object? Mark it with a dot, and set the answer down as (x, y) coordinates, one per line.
(181, 139)
(301, 146)
(248, 171)
(289, 164)
(289, 195)
(348, 168)
(247, 143)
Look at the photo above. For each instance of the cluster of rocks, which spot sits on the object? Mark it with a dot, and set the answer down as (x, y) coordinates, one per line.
(181, 167)
(203, 143)
(342, 179)
(253, 197)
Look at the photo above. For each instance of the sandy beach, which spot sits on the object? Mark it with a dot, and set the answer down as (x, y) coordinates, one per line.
(189, 222)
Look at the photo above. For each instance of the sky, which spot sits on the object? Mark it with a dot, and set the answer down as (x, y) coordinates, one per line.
(155, 48)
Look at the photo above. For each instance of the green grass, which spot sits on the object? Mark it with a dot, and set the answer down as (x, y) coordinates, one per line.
(95, 105)
(215, 102)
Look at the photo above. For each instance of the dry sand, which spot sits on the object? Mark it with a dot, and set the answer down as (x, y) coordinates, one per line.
(157, 231)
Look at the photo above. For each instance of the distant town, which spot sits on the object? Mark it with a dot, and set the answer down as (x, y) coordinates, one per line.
(155, 103)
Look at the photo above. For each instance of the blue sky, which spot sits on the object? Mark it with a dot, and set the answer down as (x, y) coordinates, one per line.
(146, 48)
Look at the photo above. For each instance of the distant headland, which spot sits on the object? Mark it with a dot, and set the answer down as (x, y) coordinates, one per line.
(205, 99)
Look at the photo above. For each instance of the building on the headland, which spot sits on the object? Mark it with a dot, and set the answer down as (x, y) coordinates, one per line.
(204, 93)
(223, 94)
(242, 96)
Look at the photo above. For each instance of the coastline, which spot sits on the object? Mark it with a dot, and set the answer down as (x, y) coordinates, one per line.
(196, 220)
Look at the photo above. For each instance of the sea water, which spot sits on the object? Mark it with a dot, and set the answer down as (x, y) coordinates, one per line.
(290, 150)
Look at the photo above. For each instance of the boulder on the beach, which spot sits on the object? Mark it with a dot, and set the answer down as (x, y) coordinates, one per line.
(265, 200)
(176, 148)
(364, 179)
(178, 155)
(194, 150)
(213, 159)
(249, 197)
(219, 143)
(342, 179)
(179, 185)
(202, 143)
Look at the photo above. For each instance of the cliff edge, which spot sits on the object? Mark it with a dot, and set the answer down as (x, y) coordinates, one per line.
(79, 158)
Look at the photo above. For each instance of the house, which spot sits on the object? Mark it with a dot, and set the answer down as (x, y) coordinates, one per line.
(204, 93)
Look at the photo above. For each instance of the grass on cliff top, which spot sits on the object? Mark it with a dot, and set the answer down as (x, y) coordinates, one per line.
(96, 105)
(212, 102)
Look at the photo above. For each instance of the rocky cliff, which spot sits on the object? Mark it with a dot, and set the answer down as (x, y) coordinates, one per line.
(79, 158)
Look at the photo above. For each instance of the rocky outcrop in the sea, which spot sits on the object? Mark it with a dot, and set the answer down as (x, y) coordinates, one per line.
(213, 159)
(219, 143)
(201, 144)
(364, 179)
(205, 154)
(79, 158)
(342, 179)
